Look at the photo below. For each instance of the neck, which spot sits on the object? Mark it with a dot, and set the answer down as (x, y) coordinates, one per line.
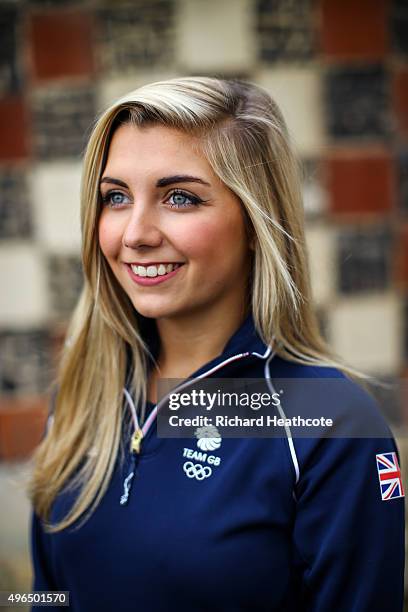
(187, 343)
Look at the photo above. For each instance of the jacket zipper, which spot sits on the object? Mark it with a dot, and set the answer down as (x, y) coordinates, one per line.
(135, 443)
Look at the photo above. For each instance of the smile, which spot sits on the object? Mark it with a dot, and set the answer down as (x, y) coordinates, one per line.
(154, 270)
(152, 274)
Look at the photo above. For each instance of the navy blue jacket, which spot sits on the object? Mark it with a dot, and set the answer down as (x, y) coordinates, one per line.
(283, 524)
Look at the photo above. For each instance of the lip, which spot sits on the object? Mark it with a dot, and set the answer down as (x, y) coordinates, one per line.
(148, 281)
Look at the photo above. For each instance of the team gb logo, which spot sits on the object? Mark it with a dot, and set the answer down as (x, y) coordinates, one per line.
(208, 439)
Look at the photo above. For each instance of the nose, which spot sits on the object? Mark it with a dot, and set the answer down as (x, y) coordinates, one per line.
(142, 229)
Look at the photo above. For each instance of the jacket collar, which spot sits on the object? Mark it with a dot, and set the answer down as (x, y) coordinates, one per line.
(244, 341)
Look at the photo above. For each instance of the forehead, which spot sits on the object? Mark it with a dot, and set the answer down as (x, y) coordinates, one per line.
(154, 147)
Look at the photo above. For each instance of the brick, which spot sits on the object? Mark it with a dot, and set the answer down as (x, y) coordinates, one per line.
(321, 245)
(401, 258)
(62, 120)
(285, 30)
(9, 76)
(109, 90)
(322, 320)
(203, 42)
(399, 26)
(15, 205)
(402, 165)
(367, 332)
(24, 300)
(136, 35)
(363, 259)
(352, 29)
(360, 183)
(61, 44)
(13, 129)
(65, 282)
(313, 192)
(25, 367)
(400, 94)
(357, 101)
(22, 425)
(303, 114)
(58, 227)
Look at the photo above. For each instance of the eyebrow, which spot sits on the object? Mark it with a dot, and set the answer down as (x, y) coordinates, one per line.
(163, 182)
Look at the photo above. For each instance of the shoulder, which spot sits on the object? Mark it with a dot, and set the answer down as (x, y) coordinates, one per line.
(358, 435)
(319, 391)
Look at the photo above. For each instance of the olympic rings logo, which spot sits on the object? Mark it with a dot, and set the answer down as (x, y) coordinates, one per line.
(196, 470)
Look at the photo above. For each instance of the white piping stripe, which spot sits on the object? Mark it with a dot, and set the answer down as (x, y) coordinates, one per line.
(132, 407)
(283, 416)
(265, 355)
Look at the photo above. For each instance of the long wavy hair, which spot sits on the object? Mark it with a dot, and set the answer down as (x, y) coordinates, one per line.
(245, 140)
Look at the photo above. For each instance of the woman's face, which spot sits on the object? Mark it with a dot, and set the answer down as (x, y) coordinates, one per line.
(171, 231)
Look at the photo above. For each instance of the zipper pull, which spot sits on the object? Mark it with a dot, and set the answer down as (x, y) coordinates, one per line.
(136, 441)
(134, 452)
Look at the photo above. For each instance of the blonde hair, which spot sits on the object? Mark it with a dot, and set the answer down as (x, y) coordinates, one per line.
(245, 139)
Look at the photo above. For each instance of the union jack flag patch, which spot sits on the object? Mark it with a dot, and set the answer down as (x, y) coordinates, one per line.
(389, 476)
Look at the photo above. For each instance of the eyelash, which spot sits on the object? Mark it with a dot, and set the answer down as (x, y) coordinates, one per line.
(194, 200)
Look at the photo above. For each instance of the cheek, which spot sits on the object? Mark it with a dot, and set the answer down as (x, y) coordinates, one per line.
(196, 240)
(216, 239)
(110, 236)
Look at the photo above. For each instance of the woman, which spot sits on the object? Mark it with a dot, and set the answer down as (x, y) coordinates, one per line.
(195, 267)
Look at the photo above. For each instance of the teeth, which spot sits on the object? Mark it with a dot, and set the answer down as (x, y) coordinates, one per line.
(152, 271)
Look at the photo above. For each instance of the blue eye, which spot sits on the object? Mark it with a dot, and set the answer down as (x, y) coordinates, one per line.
(115, 199)
(177, 199)
(181, 199)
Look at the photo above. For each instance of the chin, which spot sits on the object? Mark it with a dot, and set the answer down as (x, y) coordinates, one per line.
(154, 311)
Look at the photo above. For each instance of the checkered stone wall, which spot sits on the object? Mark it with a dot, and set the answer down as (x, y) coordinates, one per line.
(339, 71)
